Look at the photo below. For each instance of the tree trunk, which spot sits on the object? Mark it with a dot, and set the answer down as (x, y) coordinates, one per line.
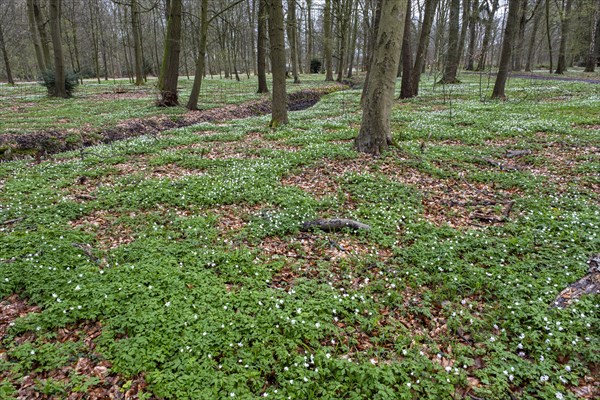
(353, 42)
(59, 67)
(592, 55)
(452, 56)
(169, 72)
(39, 56)
(520, 37)
(41, 27)
(463, 29)
(309, 35)
(137, 43)
(277, 40)
(473, 19)
(487, 35)
(327, 40)
(509, 34)
(548, 33)
(561, 65)
(430, 7)
(9, 76)
(532, 43)
(292, 31)
(406, 90)
(261, 47)
(200, 62)
(375, 132)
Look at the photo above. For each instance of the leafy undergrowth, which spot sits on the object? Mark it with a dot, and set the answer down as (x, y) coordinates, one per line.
(173, 266)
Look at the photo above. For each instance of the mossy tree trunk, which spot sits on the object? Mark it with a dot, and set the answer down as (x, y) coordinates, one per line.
(59, 66)
(375, 130)
(277, 40)
(169, 72)
(512, 21)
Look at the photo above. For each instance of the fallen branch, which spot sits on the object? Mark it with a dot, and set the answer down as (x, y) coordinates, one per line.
(589, 284)
(494, 218)
(501, 166)
(12, 221)
(88, 251)
(517, 153)
(334, 224)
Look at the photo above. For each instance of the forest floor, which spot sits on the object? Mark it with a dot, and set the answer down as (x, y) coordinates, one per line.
(173, 265)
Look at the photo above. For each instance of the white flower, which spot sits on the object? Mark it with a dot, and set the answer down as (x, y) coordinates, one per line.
(559, 396)
(168, 304)
(492, 339)
(231, 394)
(568, 368)
(543, 378)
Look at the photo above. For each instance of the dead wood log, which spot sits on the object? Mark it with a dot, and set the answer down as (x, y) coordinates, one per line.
(517, 153)
(88, 250)
(502, 167)
(589, 284)
(494, 218)
(12, 221)
(84, 196)
(334, 225)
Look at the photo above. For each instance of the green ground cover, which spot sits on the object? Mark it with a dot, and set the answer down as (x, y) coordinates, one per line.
(173, 266)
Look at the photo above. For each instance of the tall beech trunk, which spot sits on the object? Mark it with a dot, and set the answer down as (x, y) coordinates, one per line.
(137, 43)
(375, 134)
(200, 61)
(487, 35)
(592, 56)
(59, 66)
(309, 35)
(549, 34)
(327, 41)
(261, 47)
(169, 72)
(406, 90)
(41, 28)
(519, 44)
(463, 28)
(9, 77)
(532, 39)
(565, 24)
(512, 21)
(277, 40)
(452, 56)
(421, 54)
(39, 55)
(292, 31)
(473, 20)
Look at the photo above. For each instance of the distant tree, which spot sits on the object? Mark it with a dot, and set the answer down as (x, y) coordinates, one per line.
(406, 90)
(292, 39)
(137, 42)
(169, 72)
(375, 131)
(277, 40)
(473, 20)
(452, 55)
(327, 41)
(491, 8)
(592, 53)
(59, 67)
(33, 29)
(421, 53)
(262, 47)
(565, 25)
(512, 21)
(9, 76)
(200, 62)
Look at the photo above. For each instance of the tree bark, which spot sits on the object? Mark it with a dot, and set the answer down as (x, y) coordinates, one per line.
(548, 33)
(565, 24)
(59, 67)
(327, 40)
(487, 35)
(262, 47)
(292, 30)
(169, 73)
(473, 20)
(41, 27)
(200, 62)
(375, 131)
(9, 76)
(520, 37)
(406, 90)
(452, 56)
(532, 43)
(509, 34)
(430, 7)
(277, 40)
(592, 55)
(464, 28)
(39, 56)
(137, 43)
(309, 35)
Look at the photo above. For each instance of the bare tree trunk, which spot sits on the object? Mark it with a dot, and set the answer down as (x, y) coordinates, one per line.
(327, 39)
(292, 30)
(353, 42)
(200, 62)
(473, 20)
(592, 56)
(59, 67)
(9, 76)
(532, 43)
(41, 27)
(137, 43)
(309, 35)
(548, 33)
(169, 72)
(509, 34)
(39, 56)
(277, 40)
(406, 90)
(520, 37)
(261, 47)
(452, 56)
(375, 134)
(430, 7)
(343, 15)
(565, 25)
(487, 35)
(463, 29)
(94, 37)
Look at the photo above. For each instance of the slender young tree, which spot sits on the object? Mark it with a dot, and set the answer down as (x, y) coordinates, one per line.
(537, 16)
(430, 7)
(262, 47)
(375, 131)
(59, 66)
(277, 40)
(512, 21)
(327, 41)
(169, 72)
